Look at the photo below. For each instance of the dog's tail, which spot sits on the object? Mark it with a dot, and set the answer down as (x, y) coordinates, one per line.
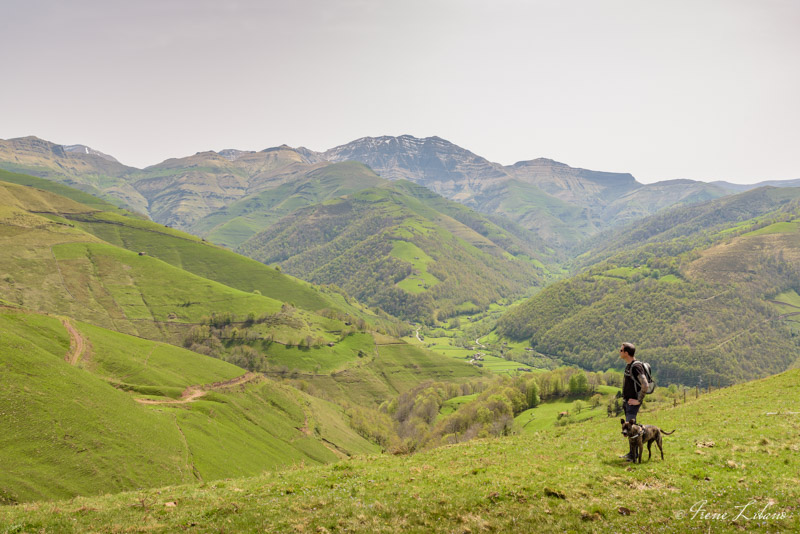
(668, 433)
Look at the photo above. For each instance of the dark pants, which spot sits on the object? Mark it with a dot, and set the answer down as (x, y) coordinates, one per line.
(630, 415)
(631, 411)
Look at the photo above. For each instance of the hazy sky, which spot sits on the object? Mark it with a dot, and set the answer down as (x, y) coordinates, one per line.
(662, 89)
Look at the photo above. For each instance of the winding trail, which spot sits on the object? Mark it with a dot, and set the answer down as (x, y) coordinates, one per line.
(192, 393)
(77, 343)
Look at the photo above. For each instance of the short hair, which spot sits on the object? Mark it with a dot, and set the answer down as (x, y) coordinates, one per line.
(629, 348)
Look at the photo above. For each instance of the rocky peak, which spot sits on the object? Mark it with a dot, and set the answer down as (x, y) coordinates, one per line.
(580, 186)
(431, 161)
(83, 149)
(231, 154)
(38, 153)
(300, 154)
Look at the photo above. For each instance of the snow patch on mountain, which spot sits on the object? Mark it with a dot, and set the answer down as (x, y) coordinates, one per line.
(83, 149)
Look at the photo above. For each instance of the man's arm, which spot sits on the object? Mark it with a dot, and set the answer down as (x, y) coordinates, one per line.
(638, 374)
(644, 386)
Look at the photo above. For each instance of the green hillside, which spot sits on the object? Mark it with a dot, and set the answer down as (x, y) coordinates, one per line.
(53, 265)
(54, 244)
(203, 259)
(559, 223)
(368, 243)
(213, 419)
(93, 173)
(514, 239)
(694, 289)
(237, 222)
(59, 189)
(690, 225)
(732, 457)
(72, 424)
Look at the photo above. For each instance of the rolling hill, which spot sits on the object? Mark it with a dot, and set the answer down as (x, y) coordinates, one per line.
(137, 277)
(729, 466)
(105, 355)
(396, 252)
(105, 412)
(706, 292)
(234, 224)
(52, 217)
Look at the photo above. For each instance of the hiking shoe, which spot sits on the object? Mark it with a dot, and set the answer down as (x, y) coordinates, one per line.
(628, 457)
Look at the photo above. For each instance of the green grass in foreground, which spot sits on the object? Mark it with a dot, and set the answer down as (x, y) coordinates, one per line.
(728, 456)
(65, 429)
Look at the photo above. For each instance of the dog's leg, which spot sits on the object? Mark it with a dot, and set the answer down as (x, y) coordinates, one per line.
(658, 442)
(649, 452)
(640, 448)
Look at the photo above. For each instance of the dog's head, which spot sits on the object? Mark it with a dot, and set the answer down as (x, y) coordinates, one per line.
(630, 428)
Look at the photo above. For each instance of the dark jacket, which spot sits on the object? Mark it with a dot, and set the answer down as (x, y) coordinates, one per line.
(634, 372)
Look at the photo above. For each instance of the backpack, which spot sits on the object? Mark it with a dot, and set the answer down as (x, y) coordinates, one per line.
(651, 385)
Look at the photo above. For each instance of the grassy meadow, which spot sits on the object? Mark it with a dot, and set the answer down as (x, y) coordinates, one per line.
(731, 466)
(546, 415)
(81, 429)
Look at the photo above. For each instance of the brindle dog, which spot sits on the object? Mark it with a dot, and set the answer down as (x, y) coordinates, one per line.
(639, 434)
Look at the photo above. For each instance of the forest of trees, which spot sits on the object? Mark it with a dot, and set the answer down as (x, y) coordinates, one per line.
(690, 329)
(414, 420)
(349, 243)
(245, 341)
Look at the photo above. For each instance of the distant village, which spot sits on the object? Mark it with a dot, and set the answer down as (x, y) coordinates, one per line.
(477, 360)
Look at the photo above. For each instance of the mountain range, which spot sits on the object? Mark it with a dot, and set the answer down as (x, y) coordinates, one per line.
(564, 205)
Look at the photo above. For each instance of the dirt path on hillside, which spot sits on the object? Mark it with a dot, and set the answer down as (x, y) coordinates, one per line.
(331, 447)
(192, 393)
(77, 343)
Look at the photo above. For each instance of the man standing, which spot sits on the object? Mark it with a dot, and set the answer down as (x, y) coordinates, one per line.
(634, 388)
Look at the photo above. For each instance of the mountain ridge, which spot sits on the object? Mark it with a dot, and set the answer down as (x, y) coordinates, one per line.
(567, 204)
